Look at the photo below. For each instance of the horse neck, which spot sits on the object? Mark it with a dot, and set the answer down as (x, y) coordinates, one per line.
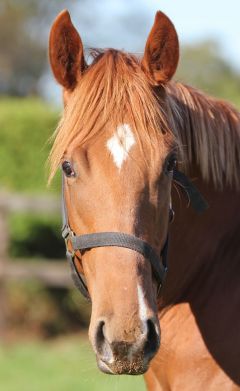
(204, 249)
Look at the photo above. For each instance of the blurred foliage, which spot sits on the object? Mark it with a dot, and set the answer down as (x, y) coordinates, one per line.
(62, 365)
(36, 236)
(25, 128)
(26, 125)
(22, 57)
(23, 38)
(203, 66)
(37, 310)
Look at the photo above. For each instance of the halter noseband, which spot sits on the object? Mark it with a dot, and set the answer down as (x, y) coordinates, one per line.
(119, 239)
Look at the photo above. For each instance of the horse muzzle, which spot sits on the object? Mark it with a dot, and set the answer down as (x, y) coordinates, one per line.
(124, 356)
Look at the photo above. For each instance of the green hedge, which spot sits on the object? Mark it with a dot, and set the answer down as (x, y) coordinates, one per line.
(25, 128)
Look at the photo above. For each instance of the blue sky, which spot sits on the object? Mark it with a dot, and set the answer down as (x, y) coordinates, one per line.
(125, 24)
(110, 22)
(197, 20)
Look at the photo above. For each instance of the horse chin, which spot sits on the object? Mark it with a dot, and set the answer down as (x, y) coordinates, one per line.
(136, 367)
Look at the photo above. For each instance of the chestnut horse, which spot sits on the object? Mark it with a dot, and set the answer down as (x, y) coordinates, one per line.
(125, 127)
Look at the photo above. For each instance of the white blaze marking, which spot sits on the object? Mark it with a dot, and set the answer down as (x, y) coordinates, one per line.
(120, 144)
(143, 317)
(142, 308)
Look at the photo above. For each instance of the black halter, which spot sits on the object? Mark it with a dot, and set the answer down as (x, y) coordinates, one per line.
(120, 239)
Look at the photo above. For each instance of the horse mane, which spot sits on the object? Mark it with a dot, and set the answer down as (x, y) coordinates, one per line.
(113, 90)
(208, 132)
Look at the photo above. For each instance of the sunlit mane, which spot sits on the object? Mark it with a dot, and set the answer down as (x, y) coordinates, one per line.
(113, 90)
(209, 132)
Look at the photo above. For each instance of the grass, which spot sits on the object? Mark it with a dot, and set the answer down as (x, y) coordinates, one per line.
(63, 365)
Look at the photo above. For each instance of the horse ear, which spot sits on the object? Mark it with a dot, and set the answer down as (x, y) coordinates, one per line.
(161, 54)
(66, 51)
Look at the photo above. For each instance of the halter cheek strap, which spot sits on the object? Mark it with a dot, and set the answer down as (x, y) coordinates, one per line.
(119, 239)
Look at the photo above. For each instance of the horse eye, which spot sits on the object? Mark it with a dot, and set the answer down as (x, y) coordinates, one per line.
(171, 164)
(67, 169)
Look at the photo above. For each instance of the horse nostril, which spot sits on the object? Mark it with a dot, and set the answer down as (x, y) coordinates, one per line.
(152, 341)
(100, 338)
(102, 345)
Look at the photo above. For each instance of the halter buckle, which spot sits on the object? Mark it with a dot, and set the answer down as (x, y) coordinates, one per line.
(68, 235)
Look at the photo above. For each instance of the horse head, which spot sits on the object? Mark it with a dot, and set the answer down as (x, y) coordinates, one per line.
(117, 151)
